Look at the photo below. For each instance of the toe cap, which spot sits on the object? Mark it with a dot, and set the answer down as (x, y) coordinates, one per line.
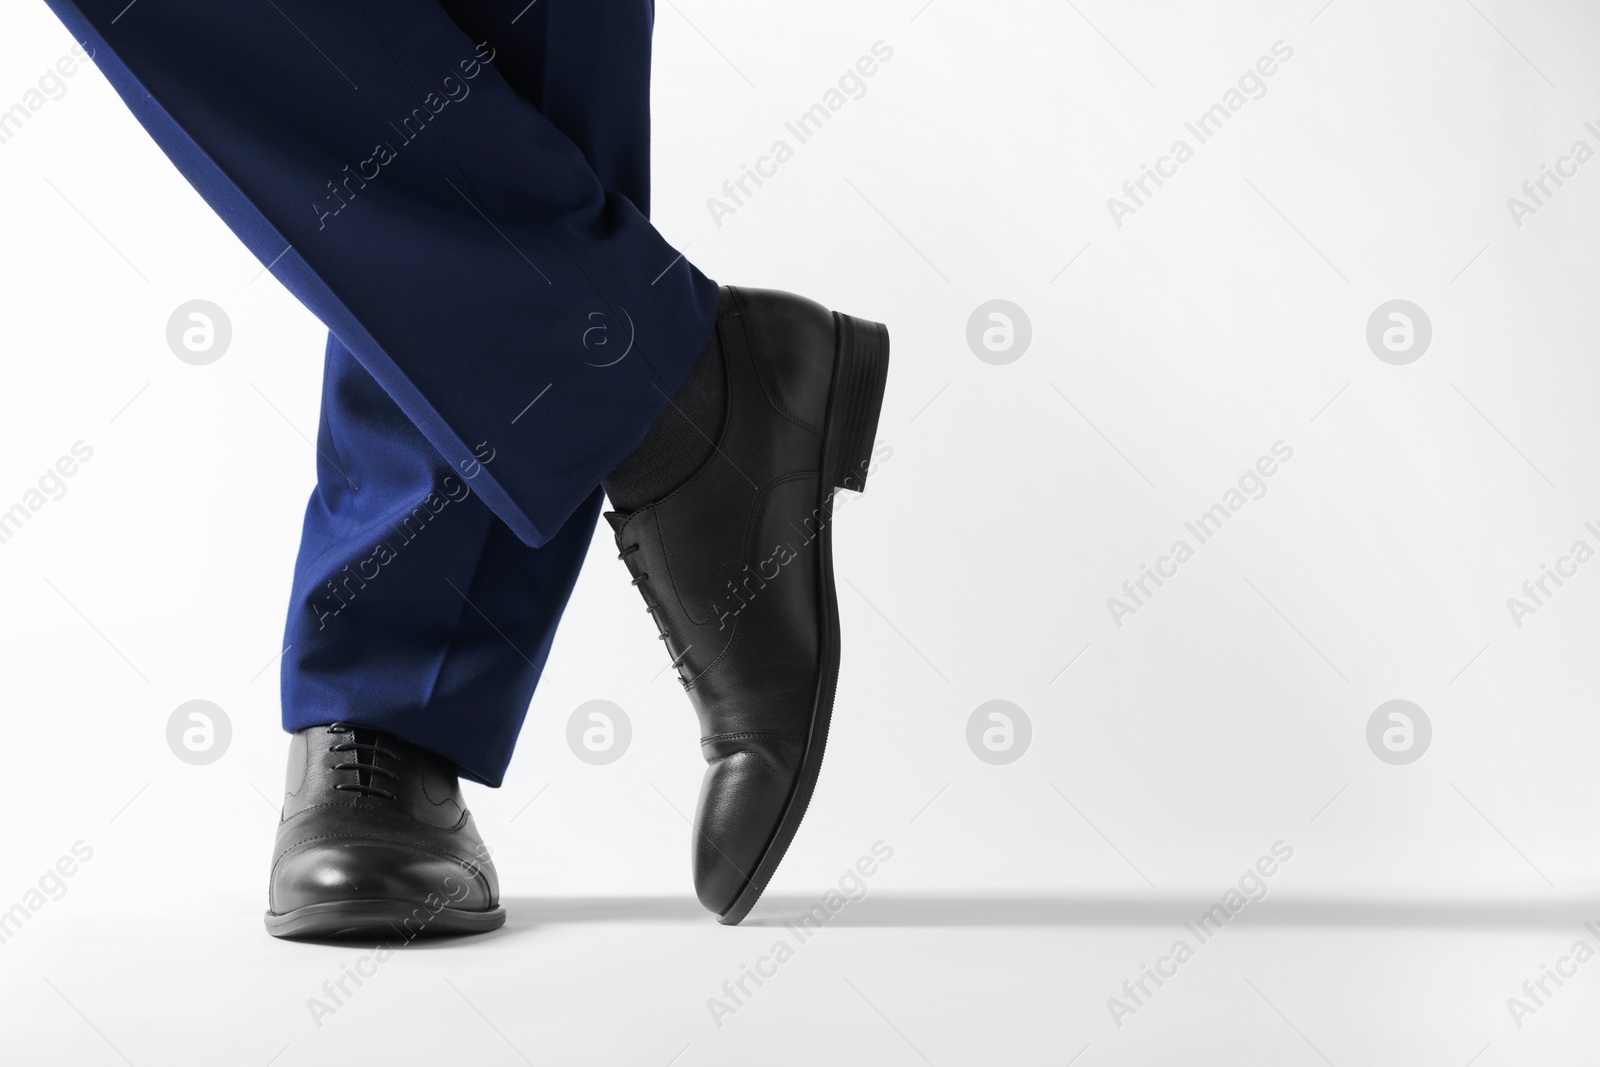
(324, 872)
(742, 801)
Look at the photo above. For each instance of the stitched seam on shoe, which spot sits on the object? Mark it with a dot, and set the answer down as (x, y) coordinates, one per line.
(716, 449)
(651, 512)
(744, 553)
(749, 542)
(777, 404)
(459, 823)
(422, 778)
(276, 863)
(666, 561)
(749, 534)
(752, 733)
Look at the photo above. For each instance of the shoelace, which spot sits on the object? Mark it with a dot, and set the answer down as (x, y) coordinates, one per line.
(372, 750)
(650, 606)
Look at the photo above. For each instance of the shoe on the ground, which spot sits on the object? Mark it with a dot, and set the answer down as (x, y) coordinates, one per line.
(375, 841)
(736, 567)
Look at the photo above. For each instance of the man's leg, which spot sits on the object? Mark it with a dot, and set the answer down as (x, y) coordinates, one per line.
(730, 550)
(416, 611)
(452, 236)
(419, 620)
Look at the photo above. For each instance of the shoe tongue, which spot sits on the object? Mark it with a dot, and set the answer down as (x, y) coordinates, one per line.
(364, 757)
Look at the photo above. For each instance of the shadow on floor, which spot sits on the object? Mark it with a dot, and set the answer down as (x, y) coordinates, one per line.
(928, 910)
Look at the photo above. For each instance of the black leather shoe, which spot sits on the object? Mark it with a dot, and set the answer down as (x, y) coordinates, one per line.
(375, 841)
(736, 567)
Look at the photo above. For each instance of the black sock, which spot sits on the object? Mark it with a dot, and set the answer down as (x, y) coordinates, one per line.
(679, 442)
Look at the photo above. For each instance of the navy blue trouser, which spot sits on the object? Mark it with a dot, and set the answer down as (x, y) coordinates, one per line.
(459, 189)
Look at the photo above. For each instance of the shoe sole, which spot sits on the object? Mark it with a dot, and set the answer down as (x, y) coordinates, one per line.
(860, 372)
(337, 919)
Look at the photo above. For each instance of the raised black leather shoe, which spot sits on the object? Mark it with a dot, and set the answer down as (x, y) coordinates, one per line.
(736, 567)
(375, 841)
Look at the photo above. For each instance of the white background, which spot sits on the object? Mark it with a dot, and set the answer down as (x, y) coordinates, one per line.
(1167, 355)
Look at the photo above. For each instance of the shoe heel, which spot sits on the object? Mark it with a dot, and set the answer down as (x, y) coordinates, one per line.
(861, 369)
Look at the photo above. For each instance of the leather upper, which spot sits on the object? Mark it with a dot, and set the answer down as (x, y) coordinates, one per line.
(731, 570)
(367, 816)
(730, 556)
